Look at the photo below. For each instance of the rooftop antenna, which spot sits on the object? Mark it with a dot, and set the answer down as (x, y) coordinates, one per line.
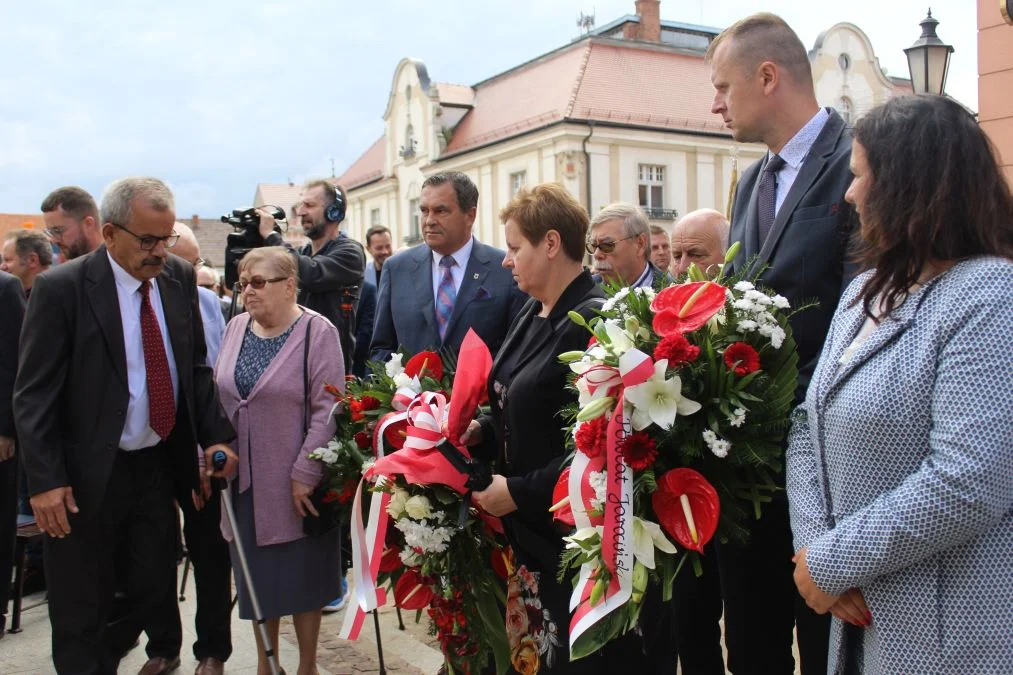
(586, 22)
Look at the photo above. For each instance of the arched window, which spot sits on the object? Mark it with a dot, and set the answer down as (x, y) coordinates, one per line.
(846, 109)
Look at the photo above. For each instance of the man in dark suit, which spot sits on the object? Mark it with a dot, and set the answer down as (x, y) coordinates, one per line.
(790, 215)
(113, 394)
(431, 295)
(619, 240)
(12, 311)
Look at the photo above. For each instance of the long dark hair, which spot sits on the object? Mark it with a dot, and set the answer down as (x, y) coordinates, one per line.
(936, 194)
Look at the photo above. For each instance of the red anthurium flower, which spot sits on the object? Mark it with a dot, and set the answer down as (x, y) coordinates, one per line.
(686, 307)
(701, 501)
(396, 433)
(425, 364)
(498, 558)
(412, 591)
(742, 358)
(561, 499)
(391, 560)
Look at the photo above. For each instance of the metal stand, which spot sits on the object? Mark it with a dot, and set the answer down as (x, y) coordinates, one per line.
(400, 621)
(379, 644)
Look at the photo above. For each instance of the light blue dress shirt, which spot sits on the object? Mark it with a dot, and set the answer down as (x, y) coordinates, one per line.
(794, 153)
(214, 322)
(461, 257)
(137, 432)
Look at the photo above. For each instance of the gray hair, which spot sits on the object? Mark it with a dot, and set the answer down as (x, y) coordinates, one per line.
(119, 197)
(464, 189)
(634, 220)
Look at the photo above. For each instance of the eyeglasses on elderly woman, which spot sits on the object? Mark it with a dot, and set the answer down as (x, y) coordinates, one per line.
(258, 283)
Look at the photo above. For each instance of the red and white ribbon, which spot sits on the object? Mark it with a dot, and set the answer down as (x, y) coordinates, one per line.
(635, 367)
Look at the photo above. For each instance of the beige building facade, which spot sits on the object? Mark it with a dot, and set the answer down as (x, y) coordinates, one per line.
(995, 77)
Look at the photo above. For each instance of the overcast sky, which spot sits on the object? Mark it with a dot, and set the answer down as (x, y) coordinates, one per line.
(218, 95)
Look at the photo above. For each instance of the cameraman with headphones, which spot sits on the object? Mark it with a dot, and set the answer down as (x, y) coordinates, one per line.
(331, 266)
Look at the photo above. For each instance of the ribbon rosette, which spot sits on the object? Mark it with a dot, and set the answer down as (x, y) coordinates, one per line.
(423, 420)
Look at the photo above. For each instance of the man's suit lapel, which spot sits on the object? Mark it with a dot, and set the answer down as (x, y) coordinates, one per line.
(423, 275)
(812, 168)
(751, 236)
(105, 305)
(474, 274)
(174, 307)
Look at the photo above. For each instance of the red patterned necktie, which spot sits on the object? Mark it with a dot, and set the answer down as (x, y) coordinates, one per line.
(161, 402)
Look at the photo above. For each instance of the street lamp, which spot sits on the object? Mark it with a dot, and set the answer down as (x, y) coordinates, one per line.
(928, 59)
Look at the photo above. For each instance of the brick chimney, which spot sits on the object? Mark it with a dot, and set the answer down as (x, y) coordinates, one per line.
(194, 221)
(649, 28)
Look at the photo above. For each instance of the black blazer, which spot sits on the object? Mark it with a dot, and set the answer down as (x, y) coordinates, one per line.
(12, 311)
(528, 435)
(807, 248)
(71, 392)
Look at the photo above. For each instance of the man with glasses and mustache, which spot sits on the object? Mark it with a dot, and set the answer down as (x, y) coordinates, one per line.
(619, 241)
(72, 221)
(112, 395)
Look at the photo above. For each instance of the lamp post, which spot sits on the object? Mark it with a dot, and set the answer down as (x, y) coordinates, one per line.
(928, 59)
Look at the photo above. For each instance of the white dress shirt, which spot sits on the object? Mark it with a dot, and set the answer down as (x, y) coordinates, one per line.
(461, 257)
(794, 153)
(137, 432)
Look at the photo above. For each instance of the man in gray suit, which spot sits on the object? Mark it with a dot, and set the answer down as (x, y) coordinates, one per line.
(431, 295)
(790, 215)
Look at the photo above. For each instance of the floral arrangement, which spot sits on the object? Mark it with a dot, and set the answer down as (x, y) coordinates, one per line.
(684, 396)
(359, 437)
(422, 540)
(455, 570)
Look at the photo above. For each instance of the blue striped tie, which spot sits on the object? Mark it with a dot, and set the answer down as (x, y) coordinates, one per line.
(445, 294)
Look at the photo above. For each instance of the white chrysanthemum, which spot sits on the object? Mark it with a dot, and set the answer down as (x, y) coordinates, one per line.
(410, 558)
(738, 417)
(747, 326)
(424, 537)
(393, 365)
(645, 291)
(718, 446)
(777, 337)
(758, 297)
(781, 302)
(744, 286)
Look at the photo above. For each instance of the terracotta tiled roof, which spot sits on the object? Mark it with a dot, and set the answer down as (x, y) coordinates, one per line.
(14, 221)
(646, 87)
(901, 85)
(534, 95)
(210, 233)
(455, 94)
(368, 168)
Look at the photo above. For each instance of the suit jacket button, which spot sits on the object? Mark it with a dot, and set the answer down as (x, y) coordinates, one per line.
(119, 413)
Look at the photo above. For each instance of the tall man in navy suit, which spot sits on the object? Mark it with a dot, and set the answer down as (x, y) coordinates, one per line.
(790, 215)
(431, 295)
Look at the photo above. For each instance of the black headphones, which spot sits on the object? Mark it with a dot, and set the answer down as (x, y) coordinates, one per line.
(335, 213)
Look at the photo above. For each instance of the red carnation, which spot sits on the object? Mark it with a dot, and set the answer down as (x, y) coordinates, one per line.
(355, 410)
(369, 403)
(677, 349)
(592, 438)
(639, 450)
(425, 364)
(742, 358)
(362, 440)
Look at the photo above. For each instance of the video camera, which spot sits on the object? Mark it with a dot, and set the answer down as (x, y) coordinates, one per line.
(246, 221)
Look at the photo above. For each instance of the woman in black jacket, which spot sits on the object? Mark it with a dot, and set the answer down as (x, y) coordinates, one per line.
(545, 234)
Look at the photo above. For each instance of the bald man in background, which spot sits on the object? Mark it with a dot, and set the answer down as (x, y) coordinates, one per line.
(208, 552)
(699, 237)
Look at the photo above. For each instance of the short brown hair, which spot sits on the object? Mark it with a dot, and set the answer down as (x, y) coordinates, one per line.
(27, 242)
(331, 192)
(75, 201)
(545, 207)
(375, 230)
(277, 258)
(766, 37)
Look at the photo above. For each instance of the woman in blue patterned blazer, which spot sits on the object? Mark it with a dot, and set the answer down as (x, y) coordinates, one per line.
(900, 462)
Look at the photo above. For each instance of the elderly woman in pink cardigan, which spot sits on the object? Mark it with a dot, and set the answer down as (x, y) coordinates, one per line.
(260, 380)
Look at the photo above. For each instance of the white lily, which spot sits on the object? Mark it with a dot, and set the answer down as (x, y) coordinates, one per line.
(647, 536)
(659, 400)
(620, 341)
(573, 541)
